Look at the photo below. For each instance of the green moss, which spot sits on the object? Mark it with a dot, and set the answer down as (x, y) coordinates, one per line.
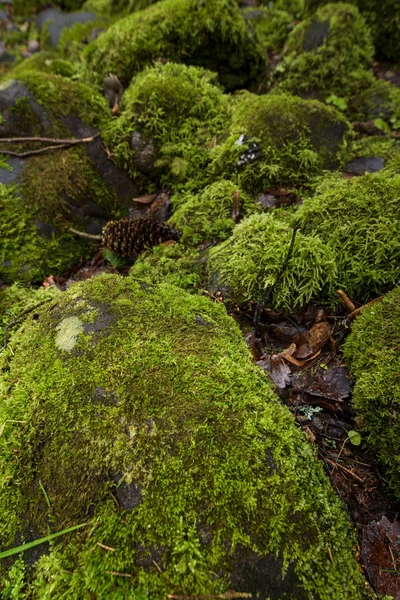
(159, 406)
(254, 254)
(212, 34)
(208, 214)
(110, 8)
(323, 52)
(386, 148)
(176, 110)
(358, 220)
(73, 40)
(17, 298)
(25, 8)
(372, 353)
(278, 138)
(383, 18)
(271, 25)
(26, 254)
(176, 265)
(46, 62)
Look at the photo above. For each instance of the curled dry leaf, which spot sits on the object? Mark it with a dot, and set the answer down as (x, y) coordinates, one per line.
(313, 340)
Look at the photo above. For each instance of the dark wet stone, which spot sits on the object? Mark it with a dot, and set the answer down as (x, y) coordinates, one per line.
(15, 124)
(262, 577)
(315, 35)
(45, 229)
(7, 57)
(17, 165)
(145, 152)
(361, 165)
(56, 21)
(129, 496)
(199, 320)
(326, 136)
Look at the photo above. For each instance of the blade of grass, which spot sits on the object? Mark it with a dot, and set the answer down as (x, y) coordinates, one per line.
(44, 493)
(23, 547)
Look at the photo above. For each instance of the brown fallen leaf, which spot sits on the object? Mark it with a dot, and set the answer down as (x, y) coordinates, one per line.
(145, 199)
(301, 363)
(313, 340)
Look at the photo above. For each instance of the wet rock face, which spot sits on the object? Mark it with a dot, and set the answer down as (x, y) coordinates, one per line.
(159, 443)
(78, 186)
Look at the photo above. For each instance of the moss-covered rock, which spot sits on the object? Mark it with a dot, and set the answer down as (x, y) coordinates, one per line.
(208, 214)
(178, 264)
(323, 52)
(253, 256)
(42, 196)
(372, 353)
(46, 61)
(171, 113)
(140, 413)
(211, 34)
(279, 138)
(383, 18)
(272, 26)
(358, 221)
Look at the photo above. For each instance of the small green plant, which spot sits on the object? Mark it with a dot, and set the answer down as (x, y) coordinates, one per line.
(114, 260)
(337, 102)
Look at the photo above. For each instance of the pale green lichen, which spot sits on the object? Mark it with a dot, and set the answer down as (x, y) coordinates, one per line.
(372, 352)
(212, 34)
(279, 138)
(161, 428)
(68, 331)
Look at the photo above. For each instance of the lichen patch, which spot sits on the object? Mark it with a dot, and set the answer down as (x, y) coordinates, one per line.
(68, 332)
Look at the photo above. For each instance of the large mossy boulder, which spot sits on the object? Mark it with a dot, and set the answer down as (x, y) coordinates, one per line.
(324, 51)
(279, 138)
(372, 353)
(42, 195)
(137, 410)
(170, 116)
(212, 34)
(358, 220)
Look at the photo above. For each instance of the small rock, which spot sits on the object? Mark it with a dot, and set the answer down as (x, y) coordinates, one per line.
(361, 165)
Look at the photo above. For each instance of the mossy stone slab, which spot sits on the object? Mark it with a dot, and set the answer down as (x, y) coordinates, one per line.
(143, 415)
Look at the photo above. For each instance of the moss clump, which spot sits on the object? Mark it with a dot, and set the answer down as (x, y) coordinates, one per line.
(253, 256)
(174, 110)
(175, 264)
(278, 138)
(383, 18)
(74, 39)
(211, 34)
(61, 97)
(35, 216)
(157, 405)
(372, 353)
(208, 214)
(376, 145)
(271, 25)
(358, 220)
(47, 62)
(323, 52)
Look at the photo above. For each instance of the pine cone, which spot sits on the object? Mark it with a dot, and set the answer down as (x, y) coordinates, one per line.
(127, 237)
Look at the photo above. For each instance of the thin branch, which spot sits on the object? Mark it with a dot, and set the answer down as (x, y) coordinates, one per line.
(90, 236)
(270, 288)
(60, 144)
(71, 142)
